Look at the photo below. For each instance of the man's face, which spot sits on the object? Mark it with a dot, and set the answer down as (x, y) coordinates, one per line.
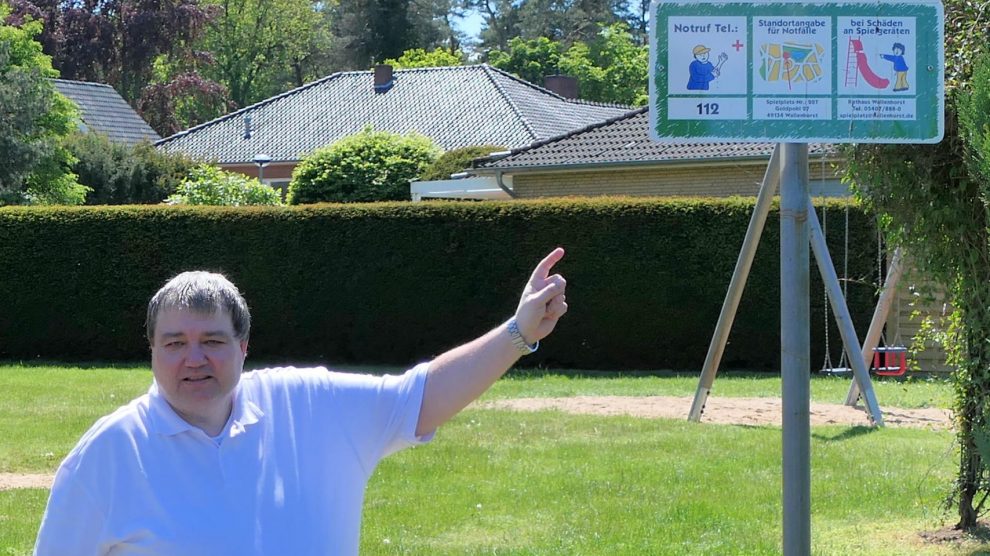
(197, 361)
(703, 57)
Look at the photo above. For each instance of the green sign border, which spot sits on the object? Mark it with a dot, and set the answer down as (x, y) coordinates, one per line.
(930, 86)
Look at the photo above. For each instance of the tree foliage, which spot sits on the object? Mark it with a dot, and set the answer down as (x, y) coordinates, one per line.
(420, 58)
(34, 118)
(367, 32)
(531, 60)
(180, 101)
(565, 21)
(210, 185)
(368, 166)
(456, 160)
(609, 68)
(119, 41)
(115, 41)
(933, 200)
(119, 174)
(261, 48)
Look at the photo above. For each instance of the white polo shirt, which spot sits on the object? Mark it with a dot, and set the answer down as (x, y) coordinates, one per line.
(287, 477)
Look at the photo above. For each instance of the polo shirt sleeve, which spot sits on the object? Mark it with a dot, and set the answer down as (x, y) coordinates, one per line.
(73, 523)
(380, 412)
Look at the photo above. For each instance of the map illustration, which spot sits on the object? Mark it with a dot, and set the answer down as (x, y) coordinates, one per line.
(791, 62)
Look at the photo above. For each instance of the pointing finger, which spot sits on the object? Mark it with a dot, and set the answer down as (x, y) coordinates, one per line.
(542, 270)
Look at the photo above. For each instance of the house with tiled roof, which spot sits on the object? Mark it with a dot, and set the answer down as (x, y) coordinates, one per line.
(103, 110)
(454, 106)
(617, 157)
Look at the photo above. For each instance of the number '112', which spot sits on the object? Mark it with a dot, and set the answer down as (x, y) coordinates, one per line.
(707, 108)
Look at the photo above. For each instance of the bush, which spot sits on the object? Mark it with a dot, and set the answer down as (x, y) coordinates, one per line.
(368, 166)
(210, 185)
(402, 282)
(120, 174)
(457, 160)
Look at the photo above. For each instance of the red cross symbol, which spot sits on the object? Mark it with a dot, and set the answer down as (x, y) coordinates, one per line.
(738, 46)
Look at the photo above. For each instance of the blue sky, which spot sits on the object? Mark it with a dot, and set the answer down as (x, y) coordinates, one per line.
(470, 24)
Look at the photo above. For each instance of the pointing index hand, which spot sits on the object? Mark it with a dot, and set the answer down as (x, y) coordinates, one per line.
(543, 301)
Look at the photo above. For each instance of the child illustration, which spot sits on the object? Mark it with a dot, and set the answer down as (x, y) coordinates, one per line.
(900, 66)
(702, 71)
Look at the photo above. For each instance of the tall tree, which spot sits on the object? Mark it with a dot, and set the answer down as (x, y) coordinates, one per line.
(531, 60)
(501, 22)
(34, 119)
(182, 99)
(609, 68)
(261, 48)
(117, 41)
(566, 21)
(935, 201)
(639, 20)
(369, 31)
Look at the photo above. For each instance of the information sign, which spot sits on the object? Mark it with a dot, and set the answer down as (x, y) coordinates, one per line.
(797, 71)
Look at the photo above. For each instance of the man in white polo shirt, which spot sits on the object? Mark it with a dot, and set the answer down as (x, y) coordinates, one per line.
(212, 461)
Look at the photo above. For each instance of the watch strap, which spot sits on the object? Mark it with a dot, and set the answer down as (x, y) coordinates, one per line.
(517, 339)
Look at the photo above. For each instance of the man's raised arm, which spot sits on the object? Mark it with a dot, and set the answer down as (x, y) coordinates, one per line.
(459, 376)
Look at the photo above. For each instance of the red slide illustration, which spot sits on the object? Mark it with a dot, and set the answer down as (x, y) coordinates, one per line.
(873, 79)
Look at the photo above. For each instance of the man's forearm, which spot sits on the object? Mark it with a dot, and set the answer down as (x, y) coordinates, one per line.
(461, 375)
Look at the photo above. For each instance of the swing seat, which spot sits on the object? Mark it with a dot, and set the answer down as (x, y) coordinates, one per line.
(890, 360)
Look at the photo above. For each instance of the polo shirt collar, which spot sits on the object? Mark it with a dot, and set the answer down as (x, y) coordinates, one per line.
(164, 420)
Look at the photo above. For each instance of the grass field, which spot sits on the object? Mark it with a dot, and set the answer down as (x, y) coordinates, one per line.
(498, 482)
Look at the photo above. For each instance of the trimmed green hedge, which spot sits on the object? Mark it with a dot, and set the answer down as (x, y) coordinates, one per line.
(401, 282)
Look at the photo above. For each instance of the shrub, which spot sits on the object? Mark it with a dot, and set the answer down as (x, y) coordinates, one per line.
(457, 160)
(120, 174)
(209, 185)
(402, 282)
(368, 166)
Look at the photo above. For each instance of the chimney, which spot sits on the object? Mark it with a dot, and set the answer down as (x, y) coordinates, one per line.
(247, 126)
(383, 78)
(564, 85)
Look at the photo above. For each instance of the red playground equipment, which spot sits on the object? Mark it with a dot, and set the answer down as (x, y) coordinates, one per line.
(856, 62)
(890, 360)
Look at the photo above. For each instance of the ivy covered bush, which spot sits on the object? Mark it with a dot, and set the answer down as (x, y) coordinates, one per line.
(210, 185)
(456, 160)
(368, 166)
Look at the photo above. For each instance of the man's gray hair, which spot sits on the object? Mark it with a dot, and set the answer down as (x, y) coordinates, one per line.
(202, 292)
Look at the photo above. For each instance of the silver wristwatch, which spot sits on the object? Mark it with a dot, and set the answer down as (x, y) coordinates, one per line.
(518, 341)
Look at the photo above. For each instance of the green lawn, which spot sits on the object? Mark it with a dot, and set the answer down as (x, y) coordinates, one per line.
(498, 482)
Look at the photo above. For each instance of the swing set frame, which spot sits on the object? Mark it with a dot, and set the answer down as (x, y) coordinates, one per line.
(862, 384)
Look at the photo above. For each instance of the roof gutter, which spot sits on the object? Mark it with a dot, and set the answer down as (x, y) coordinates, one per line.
(626, 163)
(502, 186)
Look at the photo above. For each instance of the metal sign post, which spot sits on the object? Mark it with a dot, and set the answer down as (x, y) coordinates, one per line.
(795, 342)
